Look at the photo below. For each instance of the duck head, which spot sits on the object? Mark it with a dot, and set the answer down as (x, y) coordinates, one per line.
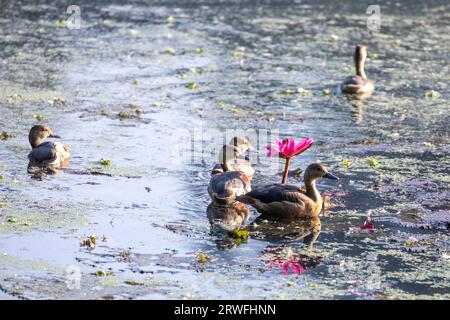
(316, 171)
(38, 134)
(360, 58)
(242, 144)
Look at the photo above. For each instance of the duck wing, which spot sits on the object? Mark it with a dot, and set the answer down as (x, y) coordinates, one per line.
(224, 187)
(280, 201)
(46, 151)
(353, 80)
(278, 193)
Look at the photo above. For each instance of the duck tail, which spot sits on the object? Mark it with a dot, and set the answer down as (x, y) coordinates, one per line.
(246, 199)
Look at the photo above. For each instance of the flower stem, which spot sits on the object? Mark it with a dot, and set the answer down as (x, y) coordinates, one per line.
(286, 170)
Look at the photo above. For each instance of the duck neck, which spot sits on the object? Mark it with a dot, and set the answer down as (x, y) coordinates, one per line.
(312, 192)
(34, 141)
(360, 60)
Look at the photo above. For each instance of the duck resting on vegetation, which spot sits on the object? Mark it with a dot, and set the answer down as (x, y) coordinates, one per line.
(232, 175)
(289, 201)
(46, 153)
(358, 83)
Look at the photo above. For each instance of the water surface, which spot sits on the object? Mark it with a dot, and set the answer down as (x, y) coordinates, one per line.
(248, 61)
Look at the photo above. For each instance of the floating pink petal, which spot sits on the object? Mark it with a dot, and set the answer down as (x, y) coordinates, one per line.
(367, 225)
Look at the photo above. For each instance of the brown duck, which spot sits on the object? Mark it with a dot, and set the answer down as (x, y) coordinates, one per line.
(289, 201)
(358, 83)
(46, 153)
(232, 175)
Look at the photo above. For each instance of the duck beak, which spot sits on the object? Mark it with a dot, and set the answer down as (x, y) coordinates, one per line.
(330, 176)
(54, 136)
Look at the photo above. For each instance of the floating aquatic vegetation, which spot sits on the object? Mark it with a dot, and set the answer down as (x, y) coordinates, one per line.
(411, 242)
(105, 162)
(60, 23)
(107, 23)
(304, 92)
(432, 94)
(235, 109)
(346, 163)
(12, 220)
(58, 101)
(286, 92)
(191, 85)
(371, 161)
(38, 117)
(373, 55)
(90, 242)
(326, 92)
(170, 19)
(125, 255)
(15, 97)
(158, 104)
(202, 257)
(334, 37)
(239, 236)
(135, 82)
(237, 54)
(221, 105)
(134, 283)
(103, 273)
(5, 136)
(170, 51)
(201, 50)
(127, 115)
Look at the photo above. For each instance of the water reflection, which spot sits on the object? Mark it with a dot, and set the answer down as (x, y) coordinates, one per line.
(40, 171)
(357, 101)
(287, 255)
(291, 231)
(226, 218)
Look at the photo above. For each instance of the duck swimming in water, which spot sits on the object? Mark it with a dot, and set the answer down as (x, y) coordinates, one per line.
(233, 151)
(289, 201)
(224, 187)
(46, 153)
(232, 175)
(358, 83)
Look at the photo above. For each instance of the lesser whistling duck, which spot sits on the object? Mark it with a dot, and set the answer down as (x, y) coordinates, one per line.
(232, 176)
(235, 149)
(289, 201)
(358, 83)
(46, 153)
(224, 187)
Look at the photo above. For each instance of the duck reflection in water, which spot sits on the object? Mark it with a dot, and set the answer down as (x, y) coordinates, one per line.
(224, 219)
(285, 255)
(357, 101)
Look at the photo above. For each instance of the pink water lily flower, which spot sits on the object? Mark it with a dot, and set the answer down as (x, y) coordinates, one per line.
(287, 149)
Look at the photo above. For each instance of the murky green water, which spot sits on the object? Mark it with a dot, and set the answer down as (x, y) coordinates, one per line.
(148, 210)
